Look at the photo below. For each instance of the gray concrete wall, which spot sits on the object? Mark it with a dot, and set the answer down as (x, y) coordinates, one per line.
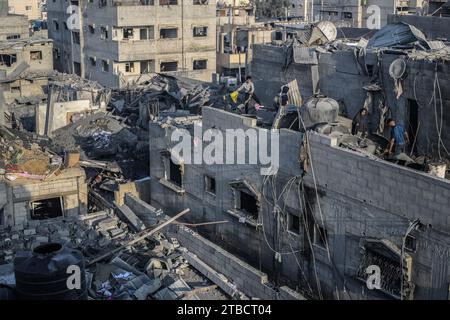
(14, 25)
(70, 185)
(432, 27)
(342, 80)
(358, 197)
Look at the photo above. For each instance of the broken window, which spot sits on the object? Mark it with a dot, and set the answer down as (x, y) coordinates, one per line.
(200, 32)
(36, 55)
(210, 185)
(8, 59)
(175, 175)
(13, 37)
(410, 243)
(248, 204)
(293, 223)
(320, 236)
(201, 64)
(46, 209)
(169, 66)
(91, 29)
(55, 25)
(201, 2)
(169, 33)
(128, 33)
(93, 61)
(77, 68)
(2, 216)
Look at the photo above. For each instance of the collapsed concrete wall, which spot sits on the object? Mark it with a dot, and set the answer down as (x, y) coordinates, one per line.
(342, 79)
(434, 27)
(66, 193)
(358, 199)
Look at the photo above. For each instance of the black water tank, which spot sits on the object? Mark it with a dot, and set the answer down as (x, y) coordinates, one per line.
(42, 275)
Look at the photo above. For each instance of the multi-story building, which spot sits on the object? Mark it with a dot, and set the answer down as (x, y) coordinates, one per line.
(30, 8)
(12, 26)
(237, 31)
(361, 13)
(120, 40)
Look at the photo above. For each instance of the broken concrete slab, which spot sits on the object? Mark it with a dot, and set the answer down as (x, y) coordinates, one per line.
(131, 218)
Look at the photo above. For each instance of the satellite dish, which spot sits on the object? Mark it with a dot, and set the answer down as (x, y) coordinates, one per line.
(397, 69)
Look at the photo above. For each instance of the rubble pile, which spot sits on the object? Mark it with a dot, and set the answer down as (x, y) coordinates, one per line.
(24, 158)
(153, 268)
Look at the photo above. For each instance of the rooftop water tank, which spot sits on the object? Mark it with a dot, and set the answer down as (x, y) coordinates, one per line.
(44, 273)
(319, 109)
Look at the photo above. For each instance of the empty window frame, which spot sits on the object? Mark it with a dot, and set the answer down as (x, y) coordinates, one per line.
(168, 33)
(320, 236)
(93, 61)
(200, 64)
(169, 66)
(210, 185)
(76, 37)
(8, 59)
(293, 223)
(248, 204)
(175, 173)
(35, 55)
(46, 209)
(201, 2)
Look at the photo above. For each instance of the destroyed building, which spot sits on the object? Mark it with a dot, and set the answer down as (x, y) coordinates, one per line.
(100, 180)
(335, 207)
(179, 40)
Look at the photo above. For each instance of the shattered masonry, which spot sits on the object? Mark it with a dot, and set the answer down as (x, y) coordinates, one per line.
(87, 173)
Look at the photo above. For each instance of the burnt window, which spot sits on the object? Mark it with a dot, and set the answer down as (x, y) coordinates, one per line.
(175, 173)
(210, 185)
(249, 204)
(46, 209)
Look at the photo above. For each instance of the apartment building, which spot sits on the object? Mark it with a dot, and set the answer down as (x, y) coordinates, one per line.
(30, 8)
(115, 42)
(360, 13)
(12, 26)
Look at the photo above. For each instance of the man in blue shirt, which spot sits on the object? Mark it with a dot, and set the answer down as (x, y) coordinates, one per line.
(399, 138)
